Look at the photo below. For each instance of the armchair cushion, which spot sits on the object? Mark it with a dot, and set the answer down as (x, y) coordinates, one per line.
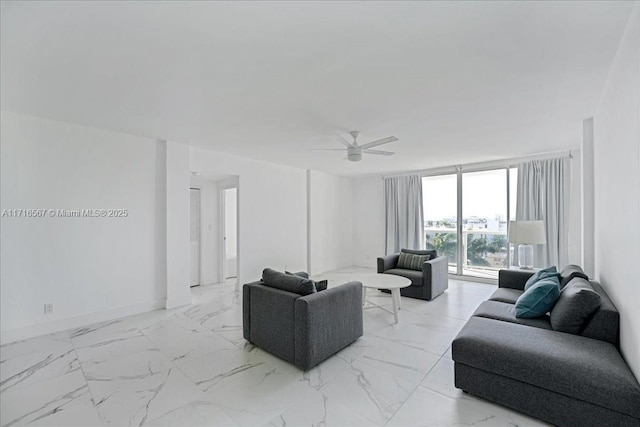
(415, 276)
(288, 282)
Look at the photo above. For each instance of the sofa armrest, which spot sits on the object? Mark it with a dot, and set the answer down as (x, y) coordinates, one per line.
(513, 279)
(387, 262)
(326, 322)
(268, 318)
(436, 273)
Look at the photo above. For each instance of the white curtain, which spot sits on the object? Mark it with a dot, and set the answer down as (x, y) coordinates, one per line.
(404, 216)
(543, 194)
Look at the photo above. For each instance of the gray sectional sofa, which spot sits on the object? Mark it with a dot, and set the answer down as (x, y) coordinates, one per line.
(301, 329)
(563, 378)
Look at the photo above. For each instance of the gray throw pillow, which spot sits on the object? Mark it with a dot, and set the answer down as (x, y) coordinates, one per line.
(576, 304)
(320, 285)
(302, 274)
(569, 273)
(412, 262)
(432, 253)
(288, 282)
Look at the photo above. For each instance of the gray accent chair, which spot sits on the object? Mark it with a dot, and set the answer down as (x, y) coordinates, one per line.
(303, 330)
(565, 379)
(426, 284)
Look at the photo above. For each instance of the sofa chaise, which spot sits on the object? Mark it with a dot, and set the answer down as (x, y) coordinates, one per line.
(563, 378)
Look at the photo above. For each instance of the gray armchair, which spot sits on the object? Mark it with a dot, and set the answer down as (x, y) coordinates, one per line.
(303, 330)
(427, 283)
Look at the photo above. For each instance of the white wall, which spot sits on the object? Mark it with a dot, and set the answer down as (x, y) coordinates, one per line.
(210, 229)
(617, 189)
(368, 220)
(331, 218)
(575, 211)
(81, 265)
(272, 228)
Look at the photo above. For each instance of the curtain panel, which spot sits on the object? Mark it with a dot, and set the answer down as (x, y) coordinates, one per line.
(543, 194)
(403, 213)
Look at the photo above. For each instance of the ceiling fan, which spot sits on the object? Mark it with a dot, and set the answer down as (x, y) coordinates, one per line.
(354, 151)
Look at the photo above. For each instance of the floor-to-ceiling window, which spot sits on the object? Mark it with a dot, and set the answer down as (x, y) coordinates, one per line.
(440, 201)
(466, 218)
(484, 223)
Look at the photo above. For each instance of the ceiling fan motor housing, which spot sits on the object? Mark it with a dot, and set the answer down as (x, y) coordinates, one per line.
(354, 154)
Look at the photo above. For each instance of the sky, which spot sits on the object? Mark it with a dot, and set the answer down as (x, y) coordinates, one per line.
(484, 194)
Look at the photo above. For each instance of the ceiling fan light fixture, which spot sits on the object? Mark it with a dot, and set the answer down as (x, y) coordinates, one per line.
(354, 154)
(354, 151)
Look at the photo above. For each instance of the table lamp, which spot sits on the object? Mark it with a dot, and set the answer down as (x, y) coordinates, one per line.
(526, 234)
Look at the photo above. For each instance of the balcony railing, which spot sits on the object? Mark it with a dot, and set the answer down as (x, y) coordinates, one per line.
(484, 252)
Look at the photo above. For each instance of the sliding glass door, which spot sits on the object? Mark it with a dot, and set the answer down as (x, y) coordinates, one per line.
(466, 218)
(439, 200)
(484, 223)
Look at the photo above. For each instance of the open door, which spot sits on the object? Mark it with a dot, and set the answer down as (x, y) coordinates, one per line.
(230, 233)
(194, 225)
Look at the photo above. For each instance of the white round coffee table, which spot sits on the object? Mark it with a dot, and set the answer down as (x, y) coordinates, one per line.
(384, 281)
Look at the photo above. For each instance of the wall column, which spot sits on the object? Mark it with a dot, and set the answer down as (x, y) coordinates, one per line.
(588, 207)
(177, 179)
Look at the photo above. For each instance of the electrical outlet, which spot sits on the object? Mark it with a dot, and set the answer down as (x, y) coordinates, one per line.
(48, 308)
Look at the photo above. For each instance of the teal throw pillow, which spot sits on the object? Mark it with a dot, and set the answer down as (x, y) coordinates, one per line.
(542, 274)
(538, 299)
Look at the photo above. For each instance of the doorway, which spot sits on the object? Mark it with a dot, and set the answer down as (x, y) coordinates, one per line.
(229, 261)
(194, 233)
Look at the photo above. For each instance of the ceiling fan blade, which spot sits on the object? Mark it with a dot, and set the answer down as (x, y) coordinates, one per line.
(326, 149)
(343, 141)
(382, 153)
(379, 142)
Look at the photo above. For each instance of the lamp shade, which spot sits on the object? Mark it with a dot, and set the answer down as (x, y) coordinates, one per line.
(527, 232)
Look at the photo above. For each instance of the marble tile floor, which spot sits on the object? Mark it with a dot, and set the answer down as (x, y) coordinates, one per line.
(191, 367)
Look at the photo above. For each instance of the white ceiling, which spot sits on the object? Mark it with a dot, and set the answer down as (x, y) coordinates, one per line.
(457, 82)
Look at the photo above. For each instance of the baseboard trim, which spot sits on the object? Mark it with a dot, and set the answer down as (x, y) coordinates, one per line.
(26, 332)
(177, 302)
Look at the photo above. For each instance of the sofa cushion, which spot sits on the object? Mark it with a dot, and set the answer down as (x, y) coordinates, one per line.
(411, 261)
(569, 273)
(538, 299)
(320, 285)
(302, 274)
(416, 277)
(542, 274)
(578, 301)
(507, 313)
(288, 282)
(570, 365)
(507, 295)
(605, 323)
(433, 254)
